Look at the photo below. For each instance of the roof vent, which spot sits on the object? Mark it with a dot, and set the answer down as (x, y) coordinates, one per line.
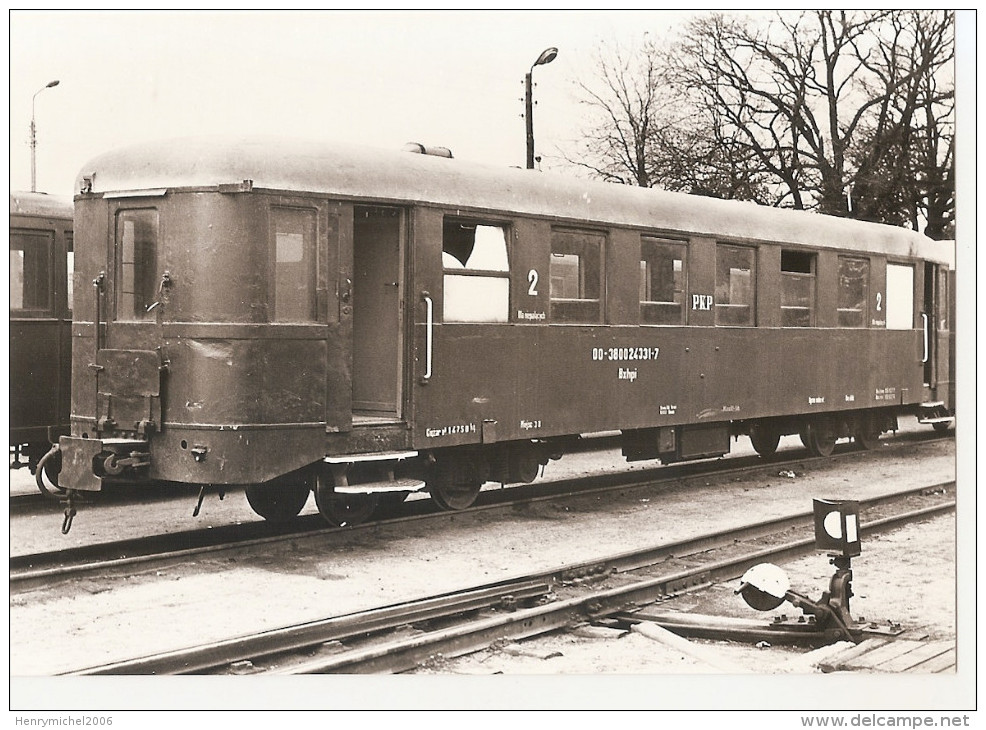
(420, 149)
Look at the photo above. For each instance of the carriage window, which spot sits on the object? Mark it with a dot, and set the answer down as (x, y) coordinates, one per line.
(30, 261)
(941, 305)
(662, 281)
(900, 297)
(69, 270)
(294, 265)
(477, 274)
(576, 276)
(854, 287)
(735, 286)
(797, 289)
(136, 262)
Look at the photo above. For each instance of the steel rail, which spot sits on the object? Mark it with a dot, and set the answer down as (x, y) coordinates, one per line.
(404, 654)
(70, 562)
(35, 501)
(315, 633)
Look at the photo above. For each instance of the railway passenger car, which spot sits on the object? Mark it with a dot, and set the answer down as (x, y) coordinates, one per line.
(297, 316)
(40, 325)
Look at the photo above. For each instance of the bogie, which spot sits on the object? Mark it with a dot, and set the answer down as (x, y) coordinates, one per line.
(455, 481)
(765, 439)
(281, 499)
(343, 510)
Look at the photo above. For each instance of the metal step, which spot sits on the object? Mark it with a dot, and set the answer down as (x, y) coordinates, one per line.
(943, 419)
(373, 456)
(389, 485)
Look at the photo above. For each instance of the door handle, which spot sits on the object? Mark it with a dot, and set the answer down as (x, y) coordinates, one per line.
(927, 344)
(99, 285)
(429, 334)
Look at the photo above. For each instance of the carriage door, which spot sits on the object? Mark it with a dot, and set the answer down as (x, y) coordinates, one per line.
(377, 287)
(933, 318)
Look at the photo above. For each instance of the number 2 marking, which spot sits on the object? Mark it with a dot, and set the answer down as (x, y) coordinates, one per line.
(532, 276)
(879, 301)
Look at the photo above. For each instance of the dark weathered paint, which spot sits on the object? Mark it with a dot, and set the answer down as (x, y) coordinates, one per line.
(525, 373)
(243, 400)
(251, 396)
(40, 341)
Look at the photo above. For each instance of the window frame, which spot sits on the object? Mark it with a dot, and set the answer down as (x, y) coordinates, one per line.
(118, 265)
(580, 310)
(504, 274)
(892, 307)
(47, 243)
(864, 310)
(751, 306)
(680, 247)
(309, 254)
(809, 276)
(69, 272)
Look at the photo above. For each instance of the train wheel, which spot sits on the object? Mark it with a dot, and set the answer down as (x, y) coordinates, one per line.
(279, 500)
(868, 437)
(452, 487)
(455, 496)
(803, 434)
(764, 440)
(525, 465)
(343, 510)
(821, 439)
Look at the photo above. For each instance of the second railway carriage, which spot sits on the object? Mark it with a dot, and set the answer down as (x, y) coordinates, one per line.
(293, 316)
(40, 324)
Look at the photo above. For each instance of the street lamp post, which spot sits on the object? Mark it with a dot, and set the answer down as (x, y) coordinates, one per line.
(34, 139)
(547, 56)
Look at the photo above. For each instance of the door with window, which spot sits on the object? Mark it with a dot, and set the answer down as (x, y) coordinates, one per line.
(935, 324)
(377, 286)
(128, 380)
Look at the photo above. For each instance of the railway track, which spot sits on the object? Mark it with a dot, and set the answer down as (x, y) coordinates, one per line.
(30, 571)
(34, 502)
(401, 637)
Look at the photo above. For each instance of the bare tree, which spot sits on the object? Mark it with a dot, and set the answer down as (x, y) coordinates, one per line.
(641, 131)
(624, 113)
(905, 162)
(829, 102)
(786, 90)
(849, 113)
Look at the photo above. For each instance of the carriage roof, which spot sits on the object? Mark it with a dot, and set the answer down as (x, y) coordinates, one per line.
(405, 177)
(40, 205)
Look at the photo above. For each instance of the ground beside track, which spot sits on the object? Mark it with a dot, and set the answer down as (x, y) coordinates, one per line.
(906, 576)
(95, 622)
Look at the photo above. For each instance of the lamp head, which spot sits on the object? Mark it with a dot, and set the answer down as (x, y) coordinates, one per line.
(764, 587)
(547, 56)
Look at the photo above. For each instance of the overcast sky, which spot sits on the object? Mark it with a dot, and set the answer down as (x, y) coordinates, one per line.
(379, 78)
